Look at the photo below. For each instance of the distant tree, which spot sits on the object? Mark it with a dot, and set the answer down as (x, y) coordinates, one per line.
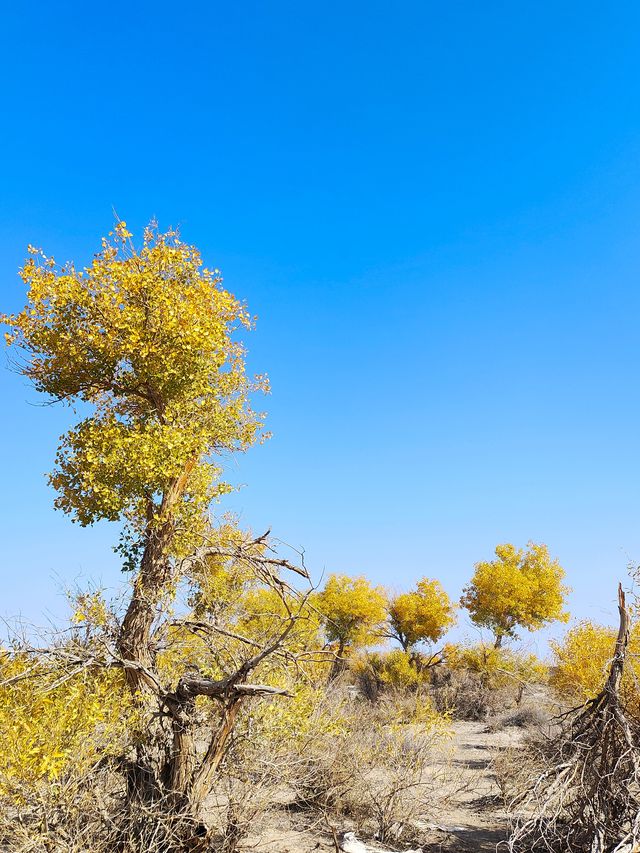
(266, 611)
(420, 616)
(353, 613)
(519, 589)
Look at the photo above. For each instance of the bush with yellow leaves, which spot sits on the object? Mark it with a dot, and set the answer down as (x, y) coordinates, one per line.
(581, 662)
(497, 667)
(55, 725)
(376, 672)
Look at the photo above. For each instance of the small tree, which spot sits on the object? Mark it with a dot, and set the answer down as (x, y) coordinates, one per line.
(353, 613)
(519, 589)
(420, 616)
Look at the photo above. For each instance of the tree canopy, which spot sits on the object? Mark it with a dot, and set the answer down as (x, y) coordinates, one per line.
(422, 615)
(146, 337)
(521, 588)
(353, 609)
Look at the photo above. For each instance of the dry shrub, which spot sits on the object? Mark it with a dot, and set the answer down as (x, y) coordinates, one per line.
(481, 681)
(525, 717)
(65, 815)
(515, 765)
(465, 696)
(371, 763)
(586, 793)
(90, 813)
(242, 799)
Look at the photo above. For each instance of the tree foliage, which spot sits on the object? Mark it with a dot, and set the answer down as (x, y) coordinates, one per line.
(582, 659)
(353, 611)
(422, 615)
(146, 338)
(56, 720)
(521, 588)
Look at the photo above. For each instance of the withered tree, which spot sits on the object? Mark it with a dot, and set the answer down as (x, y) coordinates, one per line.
(586, 799)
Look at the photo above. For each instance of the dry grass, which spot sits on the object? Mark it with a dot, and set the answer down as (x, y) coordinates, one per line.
(465, 696)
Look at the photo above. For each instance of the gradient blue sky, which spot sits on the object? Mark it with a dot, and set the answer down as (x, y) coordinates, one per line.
(433, 208)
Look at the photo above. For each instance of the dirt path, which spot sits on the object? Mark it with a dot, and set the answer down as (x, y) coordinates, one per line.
(473, 818)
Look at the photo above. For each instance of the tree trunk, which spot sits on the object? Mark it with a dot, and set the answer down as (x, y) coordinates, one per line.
(150, 585)
(154, 772)
(202, 779)
(622, 641)
(183, 754)
(339, 662)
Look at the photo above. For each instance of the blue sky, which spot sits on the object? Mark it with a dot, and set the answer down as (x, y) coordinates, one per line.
(433, 209)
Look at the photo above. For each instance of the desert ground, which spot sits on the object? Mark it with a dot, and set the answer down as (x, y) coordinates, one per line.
(469, 813)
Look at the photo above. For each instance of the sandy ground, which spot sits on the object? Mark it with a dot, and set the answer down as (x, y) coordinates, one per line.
(468, 816)
(474, 817)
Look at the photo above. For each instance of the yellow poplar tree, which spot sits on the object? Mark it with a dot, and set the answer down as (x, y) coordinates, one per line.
(521, 588)
(420, 616)
(353, 611)
(144, 338)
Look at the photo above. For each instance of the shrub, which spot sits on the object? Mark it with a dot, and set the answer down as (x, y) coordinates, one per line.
(582, 659)
(55, 724)
(370, 763)
(526, 717)
(478, 680)
(379, 671)
(496, 667)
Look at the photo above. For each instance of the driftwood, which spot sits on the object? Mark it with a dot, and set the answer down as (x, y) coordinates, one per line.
(350, 844)
(587, 800)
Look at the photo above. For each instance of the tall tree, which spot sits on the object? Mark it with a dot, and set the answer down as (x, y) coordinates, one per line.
(145, 339)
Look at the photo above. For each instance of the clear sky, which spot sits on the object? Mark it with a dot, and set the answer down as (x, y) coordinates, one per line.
(434, 210)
